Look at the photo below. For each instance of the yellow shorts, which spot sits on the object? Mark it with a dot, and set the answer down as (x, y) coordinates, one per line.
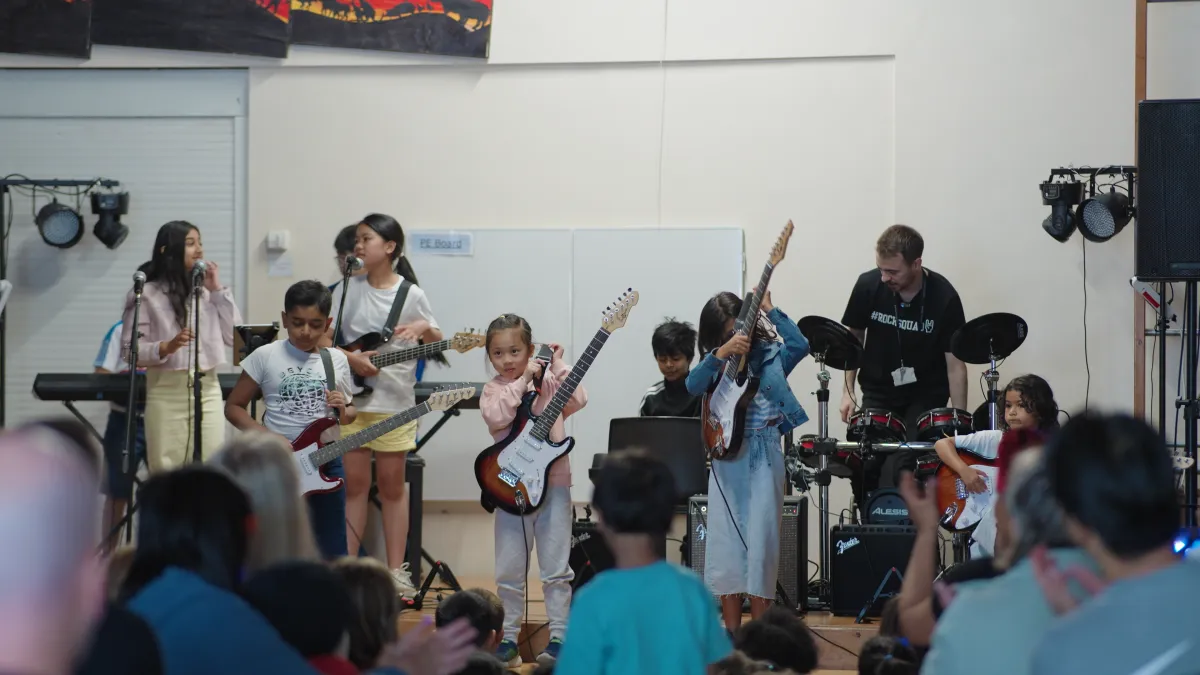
(403, 439)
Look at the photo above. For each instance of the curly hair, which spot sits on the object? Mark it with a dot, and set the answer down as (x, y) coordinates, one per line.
(1036, 397)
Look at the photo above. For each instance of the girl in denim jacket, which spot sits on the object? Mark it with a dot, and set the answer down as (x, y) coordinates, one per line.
(745, 493)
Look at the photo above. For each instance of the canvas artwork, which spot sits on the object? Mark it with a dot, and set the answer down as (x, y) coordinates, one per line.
(445, 27)
(251, 27)
(46, 27)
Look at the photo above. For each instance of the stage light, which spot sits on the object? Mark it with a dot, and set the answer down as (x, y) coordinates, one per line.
(59, 225)
(1102, 218)
(110, 206)
(1061, 198)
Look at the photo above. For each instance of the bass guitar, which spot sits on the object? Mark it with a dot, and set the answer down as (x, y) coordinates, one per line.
(512, 473)
(723, 407)
(310, 453)
(461, 342)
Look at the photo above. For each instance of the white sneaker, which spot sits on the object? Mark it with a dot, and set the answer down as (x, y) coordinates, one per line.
(404, 584)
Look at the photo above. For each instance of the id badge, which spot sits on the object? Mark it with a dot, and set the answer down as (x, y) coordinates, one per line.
(904, 375)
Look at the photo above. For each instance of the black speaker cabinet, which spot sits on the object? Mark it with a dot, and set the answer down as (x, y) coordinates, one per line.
(1167, 235)
(861, 558)
(793, 544)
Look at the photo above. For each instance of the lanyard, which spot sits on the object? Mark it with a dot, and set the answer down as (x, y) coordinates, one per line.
(896, 309)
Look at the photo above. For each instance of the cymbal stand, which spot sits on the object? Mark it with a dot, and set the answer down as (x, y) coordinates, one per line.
(823, 479)
(992, 377)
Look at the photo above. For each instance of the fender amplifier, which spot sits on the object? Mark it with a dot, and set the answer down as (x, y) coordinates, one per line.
(590, 554)
(867, 564)
(793, 545)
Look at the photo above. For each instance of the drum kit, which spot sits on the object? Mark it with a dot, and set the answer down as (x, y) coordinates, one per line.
(986, 340)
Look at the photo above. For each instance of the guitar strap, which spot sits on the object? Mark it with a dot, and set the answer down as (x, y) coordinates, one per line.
(397, 306)
(330, 378)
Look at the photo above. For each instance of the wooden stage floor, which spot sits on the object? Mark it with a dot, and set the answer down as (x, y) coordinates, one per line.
(838, 638)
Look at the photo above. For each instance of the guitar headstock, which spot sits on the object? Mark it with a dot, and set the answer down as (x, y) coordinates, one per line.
(617, 313)
(780, 247)
(444, 399)
(465, 342)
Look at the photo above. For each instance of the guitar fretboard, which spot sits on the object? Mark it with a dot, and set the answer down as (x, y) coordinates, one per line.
(411, 353)
(550, 415)
(357, 439)
(750, 312)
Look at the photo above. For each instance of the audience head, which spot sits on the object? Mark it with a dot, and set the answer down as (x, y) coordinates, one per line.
(195, 518)
(262, 465)
(477, 609)
(898, 254)
(634, 494)
(738, 663)
(674, 345)
(77, 438)
(51, 578)
(1032, 515)
(887, 656)
(1013, 443)
(307, 603)
(483, 663)
(889, 618)
(509, 344)
(1115, 479)
(778, 637)
(377, 608)
(1029, 404)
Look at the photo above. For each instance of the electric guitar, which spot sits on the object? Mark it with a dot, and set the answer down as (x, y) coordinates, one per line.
(461, 342)
(310, 453)
(512, 473)
(723, 407)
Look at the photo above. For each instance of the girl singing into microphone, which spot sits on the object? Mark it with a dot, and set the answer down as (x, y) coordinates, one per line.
(167, 340)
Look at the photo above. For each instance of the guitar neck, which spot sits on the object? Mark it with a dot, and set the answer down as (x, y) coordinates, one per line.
(750, 316)
(410, 353)
(550, 415)
(358, 439)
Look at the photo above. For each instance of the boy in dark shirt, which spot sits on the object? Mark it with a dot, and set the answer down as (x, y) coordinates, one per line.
(674, 345)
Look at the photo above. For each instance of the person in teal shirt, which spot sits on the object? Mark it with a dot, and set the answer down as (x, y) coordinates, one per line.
(634, 498)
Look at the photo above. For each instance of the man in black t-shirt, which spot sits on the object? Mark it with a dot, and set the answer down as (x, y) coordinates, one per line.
(905, 315)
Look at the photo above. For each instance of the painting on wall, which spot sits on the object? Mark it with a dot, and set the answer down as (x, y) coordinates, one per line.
(444, 27)
(251, 27)
(46, 27)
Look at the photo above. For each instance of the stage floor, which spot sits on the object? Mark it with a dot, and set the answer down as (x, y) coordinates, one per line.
(838, 638)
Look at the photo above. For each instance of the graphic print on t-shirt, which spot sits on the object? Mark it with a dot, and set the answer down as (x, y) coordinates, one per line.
(302, 393)
(905, 324)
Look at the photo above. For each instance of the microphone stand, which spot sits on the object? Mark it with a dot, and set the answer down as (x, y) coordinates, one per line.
(198, 414)
(131, 417)
(337, 326)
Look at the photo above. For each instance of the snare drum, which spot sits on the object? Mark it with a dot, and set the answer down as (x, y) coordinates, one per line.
(944, 423)
(879, 426)
(841, 465)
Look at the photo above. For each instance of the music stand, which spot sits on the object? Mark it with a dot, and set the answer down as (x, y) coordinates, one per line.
(676, 441)
(246, 339)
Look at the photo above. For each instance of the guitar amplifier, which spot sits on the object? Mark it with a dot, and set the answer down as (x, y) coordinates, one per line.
(861, 558)
(793, 544)
(590, 554)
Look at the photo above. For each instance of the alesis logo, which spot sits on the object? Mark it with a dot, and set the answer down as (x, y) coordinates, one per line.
(880, 511)
(848, 544)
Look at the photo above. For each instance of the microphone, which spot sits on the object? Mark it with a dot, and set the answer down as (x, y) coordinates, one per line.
(198, 272)
(1152, 298)
(139, 281)
(353, 263)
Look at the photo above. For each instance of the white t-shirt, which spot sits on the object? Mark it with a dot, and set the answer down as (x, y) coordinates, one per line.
(293, 385)
(986, 444)
(367, 310)
(111, 357)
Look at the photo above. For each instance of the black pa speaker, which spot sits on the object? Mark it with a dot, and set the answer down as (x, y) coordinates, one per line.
(793, 545)
(867, 564)
(1167, 234)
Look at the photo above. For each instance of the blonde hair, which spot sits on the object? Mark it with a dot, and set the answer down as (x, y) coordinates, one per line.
(261, 463)
(378, 606)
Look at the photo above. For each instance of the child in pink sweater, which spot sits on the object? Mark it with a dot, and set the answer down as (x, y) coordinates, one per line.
(510, 350)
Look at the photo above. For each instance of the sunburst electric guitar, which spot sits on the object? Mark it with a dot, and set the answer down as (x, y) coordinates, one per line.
(723, 407)
(310, 453)
(461, 343)
(512, 473)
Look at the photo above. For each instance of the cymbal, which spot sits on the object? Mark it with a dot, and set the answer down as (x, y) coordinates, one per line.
(998, 335)
(832, 342)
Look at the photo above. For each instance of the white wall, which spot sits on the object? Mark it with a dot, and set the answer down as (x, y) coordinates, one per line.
(845, 116)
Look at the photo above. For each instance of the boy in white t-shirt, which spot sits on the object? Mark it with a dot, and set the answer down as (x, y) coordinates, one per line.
(291, 377)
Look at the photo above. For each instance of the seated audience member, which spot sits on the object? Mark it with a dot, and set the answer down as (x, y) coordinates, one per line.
(738, 663)
(483, 663)
(1115, 479)
(262, 465)
(779, 637)
(51, 580)
(674, 345)
(377, 608)
(634, 500)
(994, 625)
(193, 527)
(311, 608)
(479, 611)
(544, 669)
(888, 656)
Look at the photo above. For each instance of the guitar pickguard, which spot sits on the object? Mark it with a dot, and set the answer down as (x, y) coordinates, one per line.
(722, 407)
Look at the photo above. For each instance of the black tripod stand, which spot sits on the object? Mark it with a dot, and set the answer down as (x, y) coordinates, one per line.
(1189, 402)
(437, 568)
